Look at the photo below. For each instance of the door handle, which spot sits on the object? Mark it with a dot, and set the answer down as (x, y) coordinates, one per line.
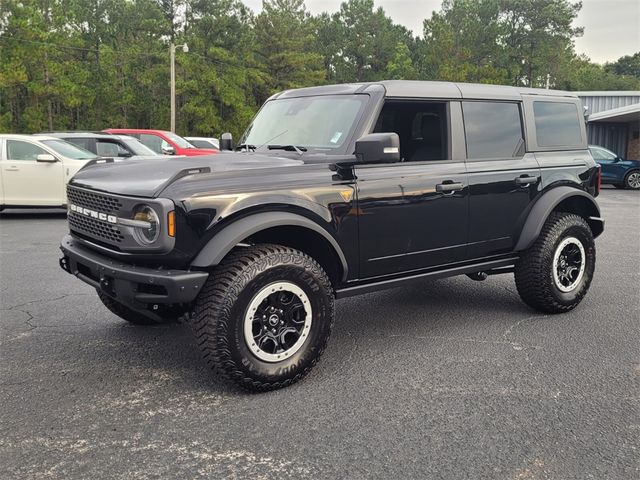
(12, 169)
(449, 187)
(526, 180)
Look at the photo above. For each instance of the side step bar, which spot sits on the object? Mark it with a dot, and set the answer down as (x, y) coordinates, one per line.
(449, 272)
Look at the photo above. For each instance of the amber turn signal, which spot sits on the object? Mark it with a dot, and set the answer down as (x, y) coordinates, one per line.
(171, 223)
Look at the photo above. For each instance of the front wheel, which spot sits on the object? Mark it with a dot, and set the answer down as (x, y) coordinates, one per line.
(632, 180)
(555, 273)
(264, 317)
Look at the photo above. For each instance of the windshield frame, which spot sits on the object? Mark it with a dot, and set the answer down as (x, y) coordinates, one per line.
(49, 141)
(345, 148)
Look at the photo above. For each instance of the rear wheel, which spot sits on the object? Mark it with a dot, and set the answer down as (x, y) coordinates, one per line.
(124, 312)
(632, 180)
(264, 317)
(555, 273)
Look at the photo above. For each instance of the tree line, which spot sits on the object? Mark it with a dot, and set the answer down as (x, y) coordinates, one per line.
(92, 64)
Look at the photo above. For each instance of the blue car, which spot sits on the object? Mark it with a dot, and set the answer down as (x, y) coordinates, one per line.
(615, 170)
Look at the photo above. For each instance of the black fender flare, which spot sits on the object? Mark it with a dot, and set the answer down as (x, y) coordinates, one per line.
(225, 240)
(546, 204)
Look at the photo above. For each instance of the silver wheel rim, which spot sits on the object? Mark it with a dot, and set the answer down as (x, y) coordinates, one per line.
(634, 180)
(277, 321)
(569, 262)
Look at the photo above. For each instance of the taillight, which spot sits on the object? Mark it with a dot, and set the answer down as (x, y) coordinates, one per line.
(598, 180)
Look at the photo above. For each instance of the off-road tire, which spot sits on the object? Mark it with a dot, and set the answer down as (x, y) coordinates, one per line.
(123, 312)
(219, 315)
(626, 180)
(534, 270)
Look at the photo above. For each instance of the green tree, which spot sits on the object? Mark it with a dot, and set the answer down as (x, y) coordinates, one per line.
(285, 37)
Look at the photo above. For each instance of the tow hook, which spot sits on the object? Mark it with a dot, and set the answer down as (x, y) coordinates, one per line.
(64, 264)
(478, 276)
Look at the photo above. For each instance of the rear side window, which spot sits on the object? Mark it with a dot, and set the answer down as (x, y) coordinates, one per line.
(557, 124)
(493, 129)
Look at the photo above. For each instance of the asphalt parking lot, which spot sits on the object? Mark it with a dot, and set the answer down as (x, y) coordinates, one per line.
(446, 379)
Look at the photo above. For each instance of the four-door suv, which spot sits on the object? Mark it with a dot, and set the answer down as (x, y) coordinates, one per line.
(163, 142)
(616, 171)
(336, 191)
(106, 145)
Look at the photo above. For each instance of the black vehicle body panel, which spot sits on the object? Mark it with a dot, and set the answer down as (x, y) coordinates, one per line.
(385, 223)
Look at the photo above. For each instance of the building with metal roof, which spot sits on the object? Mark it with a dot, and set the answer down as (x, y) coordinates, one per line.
(614, 121)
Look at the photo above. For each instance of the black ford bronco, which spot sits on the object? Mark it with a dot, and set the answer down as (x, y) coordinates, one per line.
(335, 191)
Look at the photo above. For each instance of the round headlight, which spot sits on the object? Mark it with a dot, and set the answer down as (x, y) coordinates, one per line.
(150, 232)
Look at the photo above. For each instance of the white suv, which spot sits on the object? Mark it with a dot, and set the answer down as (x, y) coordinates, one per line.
(34, 171)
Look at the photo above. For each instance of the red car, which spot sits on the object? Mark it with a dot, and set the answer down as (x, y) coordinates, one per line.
(163, 142)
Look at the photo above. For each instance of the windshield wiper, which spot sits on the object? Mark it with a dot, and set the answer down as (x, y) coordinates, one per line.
(297, 148)
(245, 146)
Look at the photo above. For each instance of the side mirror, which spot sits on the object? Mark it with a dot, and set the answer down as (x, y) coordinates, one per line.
(226, 141)
(168, 150)
(46, 158)
(378, 148)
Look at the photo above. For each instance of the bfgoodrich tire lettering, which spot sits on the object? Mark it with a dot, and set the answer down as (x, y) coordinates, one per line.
(534, 273)
(222, 307)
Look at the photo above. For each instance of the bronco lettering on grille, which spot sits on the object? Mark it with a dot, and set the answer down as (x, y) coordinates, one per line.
(93, 214)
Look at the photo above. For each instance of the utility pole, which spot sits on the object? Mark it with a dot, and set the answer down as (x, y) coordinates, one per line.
(172, 52)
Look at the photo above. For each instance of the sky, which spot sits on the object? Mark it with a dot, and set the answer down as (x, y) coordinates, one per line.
(611, 27)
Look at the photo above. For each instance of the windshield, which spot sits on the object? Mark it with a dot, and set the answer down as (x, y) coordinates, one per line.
(137, 147)
(69, 150)
(322, 122)
(178, 140)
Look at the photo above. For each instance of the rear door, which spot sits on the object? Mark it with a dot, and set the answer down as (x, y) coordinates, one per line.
(413, 215)
(503, 179)
(607, 161)
(27, 181)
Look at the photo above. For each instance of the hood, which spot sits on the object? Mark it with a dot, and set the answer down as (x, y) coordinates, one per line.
(149, 177)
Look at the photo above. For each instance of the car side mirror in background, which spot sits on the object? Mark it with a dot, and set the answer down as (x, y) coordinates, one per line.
(168, 150)
(378, 148)
(226, 141)
(46, 158)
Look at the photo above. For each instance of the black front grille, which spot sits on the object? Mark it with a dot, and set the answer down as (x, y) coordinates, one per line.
(95, 228)
(94, 201)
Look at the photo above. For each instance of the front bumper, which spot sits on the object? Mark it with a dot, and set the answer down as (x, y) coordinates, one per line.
(140, 288)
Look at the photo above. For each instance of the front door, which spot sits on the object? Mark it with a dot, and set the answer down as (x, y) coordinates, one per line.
(413, 215)
(27, 181)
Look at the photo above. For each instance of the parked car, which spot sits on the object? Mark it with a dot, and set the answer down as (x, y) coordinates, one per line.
(163, 142)
(34, 170)
(616, 170)
(204, 142)
(106, 145)
(337, 191)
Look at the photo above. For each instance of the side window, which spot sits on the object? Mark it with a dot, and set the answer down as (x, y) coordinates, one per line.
(152, 141)
(493, 129)
(81, 142)
(557, 124)
(421, 126)
(105, 148)
(164, 145)
(18, 150)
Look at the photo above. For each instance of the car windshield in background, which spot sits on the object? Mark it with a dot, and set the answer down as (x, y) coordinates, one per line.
(321, 122)
(69, 150)
(178, 140)
(137, 147)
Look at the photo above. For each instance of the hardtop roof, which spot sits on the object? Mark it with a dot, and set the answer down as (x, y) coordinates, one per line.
(427, 89)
